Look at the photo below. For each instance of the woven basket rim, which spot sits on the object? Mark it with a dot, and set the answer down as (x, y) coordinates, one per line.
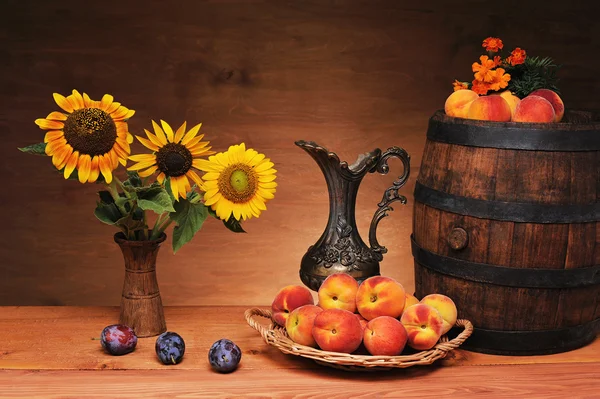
(276, 336)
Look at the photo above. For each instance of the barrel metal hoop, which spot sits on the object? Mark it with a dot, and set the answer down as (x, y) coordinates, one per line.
(499, 135)
(500, 342)
(507, 211)
(506, 276)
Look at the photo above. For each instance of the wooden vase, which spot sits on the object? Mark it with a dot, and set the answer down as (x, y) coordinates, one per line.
(141, 305)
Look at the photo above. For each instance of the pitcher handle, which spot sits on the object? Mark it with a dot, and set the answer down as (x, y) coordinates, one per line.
(390, 195)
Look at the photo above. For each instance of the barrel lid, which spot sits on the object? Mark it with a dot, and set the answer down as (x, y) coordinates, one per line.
(579, 131)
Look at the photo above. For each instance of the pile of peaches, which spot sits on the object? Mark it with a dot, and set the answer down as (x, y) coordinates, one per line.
(540, 106)
(377, 314)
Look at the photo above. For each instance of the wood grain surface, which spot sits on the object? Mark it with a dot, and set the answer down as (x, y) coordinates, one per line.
(351, 75)
(48, 352)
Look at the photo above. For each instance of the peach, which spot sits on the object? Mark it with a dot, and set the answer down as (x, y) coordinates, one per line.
(385, 336)
(363, 322)
(338, 291)
(447, 308)
(300, 322)
(410, 300)
(424, 326)
(287, 299)
(457, 104)
(512, 101)
(380, 296)
(534, 109)
(489, 108)
(337, 330)
(555, 101)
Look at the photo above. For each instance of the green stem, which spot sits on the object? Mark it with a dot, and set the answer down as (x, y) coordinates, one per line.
(156, 229)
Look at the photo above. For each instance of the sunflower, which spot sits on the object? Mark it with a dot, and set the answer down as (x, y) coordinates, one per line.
(90, 136)
(238, 181)
(174, 156)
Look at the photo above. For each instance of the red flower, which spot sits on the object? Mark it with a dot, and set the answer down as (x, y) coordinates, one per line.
(492, 44)
(517, 56)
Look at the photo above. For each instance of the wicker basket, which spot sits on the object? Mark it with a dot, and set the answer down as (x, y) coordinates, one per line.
(276, 336)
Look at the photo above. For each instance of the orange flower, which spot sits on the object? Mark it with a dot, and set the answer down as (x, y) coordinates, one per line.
(460, 85)
(497, 61)
(500, 80)
(483, 71)
(492, 44)
(480, 87)
(517, 56)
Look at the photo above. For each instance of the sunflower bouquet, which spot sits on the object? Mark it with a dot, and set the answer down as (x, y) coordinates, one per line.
(181, 179)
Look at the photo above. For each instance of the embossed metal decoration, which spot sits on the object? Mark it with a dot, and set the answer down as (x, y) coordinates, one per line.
(340, 249)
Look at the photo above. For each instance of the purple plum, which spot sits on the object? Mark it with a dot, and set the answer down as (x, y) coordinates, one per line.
(118, 339)
(224, 356)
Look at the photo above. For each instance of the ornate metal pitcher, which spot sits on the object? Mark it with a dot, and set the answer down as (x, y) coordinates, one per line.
(340, 249)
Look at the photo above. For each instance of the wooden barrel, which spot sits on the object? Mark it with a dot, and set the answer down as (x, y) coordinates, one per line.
(506, 224)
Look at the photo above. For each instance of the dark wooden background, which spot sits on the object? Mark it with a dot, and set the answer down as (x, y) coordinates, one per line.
(351, 75)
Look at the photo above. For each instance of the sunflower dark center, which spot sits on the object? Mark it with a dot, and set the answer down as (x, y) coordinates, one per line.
(90, 131)
(174, 159)
(238, 183)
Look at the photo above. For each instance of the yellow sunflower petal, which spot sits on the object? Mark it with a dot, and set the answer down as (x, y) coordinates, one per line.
(271, 184)
(124, 144)
(191, 134)
(129, 138)
(210, 184)
(255, 210)
(56, 145)
(77, 100)
(153, 139)
(49, 125)
(258, 203)
(59, 157)
(201, 151)
(104, 163)
(129, 114)
(160, 178)
(71, 163)
(195, 178)
(159, 134)
(186, 184)
(265, 194)
(123, 155)
(83, 168)
(236, 213)
(207, 166)
(114, 158)
(148, 172)
(174, 187)
(147, 143)
(266, 179)
(143, 158)
(62, 102)
(141, 165)
(196, 142)
(167, 129)
(113, 107)
(87, 101)
(94, 170)
(56, 116)
(256, 159)
(121, 127)
(263, 166)
(211, 176)
(106, 102)
(212, 200)
(119, 114)
(180, 132)
(52, 135)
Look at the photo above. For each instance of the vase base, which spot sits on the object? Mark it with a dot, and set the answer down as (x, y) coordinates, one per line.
(145, 316)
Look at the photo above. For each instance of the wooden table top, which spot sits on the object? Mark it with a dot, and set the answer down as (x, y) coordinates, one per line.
(49, 352)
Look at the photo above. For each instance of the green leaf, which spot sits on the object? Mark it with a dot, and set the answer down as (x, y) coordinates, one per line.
(134, 179)
(189, 218)
(168, 188)
(35, 149)
(130, 222)
(154, 198)
(106, 197)
(107, 213)
(234, 225)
